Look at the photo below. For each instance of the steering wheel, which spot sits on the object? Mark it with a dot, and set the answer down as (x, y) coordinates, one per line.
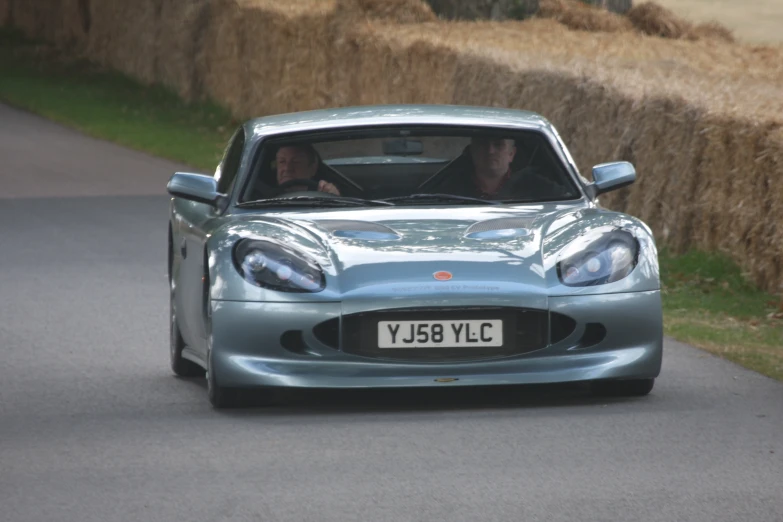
(310, 184)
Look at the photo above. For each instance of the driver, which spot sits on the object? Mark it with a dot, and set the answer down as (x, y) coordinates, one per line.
(300, 162)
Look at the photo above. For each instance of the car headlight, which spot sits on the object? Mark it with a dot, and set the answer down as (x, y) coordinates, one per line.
(610, 258)
(277, 267)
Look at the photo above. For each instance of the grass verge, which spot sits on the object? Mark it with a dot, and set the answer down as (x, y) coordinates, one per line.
(108, 105)
(707, 301)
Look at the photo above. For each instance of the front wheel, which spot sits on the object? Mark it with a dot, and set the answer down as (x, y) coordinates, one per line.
(623, 388)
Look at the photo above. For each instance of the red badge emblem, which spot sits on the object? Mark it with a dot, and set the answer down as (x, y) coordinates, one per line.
(442, 275)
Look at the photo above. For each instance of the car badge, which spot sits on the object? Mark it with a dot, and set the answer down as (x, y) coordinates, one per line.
(442, 275)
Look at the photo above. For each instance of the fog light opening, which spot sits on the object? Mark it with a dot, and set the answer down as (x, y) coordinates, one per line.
(594, 334)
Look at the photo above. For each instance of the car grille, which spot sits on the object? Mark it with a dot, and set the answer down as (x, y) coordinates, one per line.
(525, 330)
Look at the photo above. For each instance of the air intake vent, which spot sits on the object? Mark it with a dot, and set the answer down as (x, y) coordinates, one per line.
(358, 229)
(333, 225)
(594, 334)
(561, 326)
(328, 332)
(500, 227)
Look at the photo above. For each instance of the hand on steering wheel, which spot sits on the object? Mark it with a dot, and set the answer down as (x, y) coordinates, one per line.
(309, 184)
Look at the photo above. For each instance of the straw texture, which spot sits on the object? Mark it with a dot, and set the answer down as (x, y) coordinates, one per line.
(287, 56)
(39, 19)
(123, 36)
(653, 19)
(76, 22)
(179, 39)
(5, 13)
(583, 17)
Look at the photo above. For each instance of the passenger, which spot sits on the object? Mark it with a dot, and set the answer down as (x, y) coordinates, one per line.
(492, 166)
(300, 162)
(489, 174)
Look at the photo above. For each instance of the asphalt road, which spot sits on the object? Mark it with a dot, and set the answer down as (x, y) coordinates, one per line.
(93, 426)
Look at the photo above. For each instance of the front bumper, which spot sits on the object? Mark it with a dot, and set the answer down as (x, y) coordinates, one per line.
(249, 348)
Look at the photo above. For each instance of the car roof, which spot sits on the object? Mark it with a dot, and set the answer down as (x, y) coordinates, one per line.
(372, 115)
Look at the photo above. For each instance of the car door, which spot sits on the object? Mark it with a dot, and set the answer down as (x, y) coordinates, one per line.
(196, 221)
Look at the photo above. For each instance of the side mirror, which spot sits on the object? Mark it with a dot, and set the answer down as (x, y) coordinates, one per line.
(194, 187)
(611, 176)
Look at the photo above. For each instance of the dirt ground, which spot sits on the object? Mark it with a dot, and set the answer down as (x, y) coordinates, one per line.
(756, 21)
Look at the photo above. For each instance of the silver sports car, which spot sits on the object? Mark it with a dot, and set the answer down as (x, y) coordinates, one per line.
(408, 246)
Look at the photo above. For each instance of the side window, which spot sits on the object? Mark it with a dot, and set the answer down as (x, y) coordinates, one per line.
(228, 168)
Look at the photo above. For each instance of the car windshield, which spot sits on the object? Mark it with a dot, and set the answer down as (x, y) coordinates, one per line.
(409, 166)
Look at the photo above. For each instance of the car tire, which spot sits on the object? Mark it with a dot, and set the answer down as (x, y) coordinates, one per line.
(623, 388)
(179, 365)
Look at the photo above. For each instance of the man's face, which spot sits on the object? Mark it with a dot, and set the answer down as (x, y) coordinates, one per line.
(294, 163)
(491, 157)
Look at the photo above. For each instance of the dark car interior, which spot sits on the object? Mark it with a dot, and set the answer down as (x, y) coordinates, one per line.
(393, 167)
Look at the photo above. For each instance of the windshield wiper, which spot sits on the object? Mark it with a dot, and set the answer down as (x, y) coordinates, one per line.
(532, 200)
(441, 198)
(314, 201)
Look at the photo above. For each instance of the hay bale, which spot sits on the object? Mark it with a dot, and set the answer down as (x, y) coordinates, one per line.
(39, 20)
(123, 36)
(582, 17)
(766, 247)
(595, 20)
(380, 72)
(711, 31)
(179, 40)
(76, 22)
(5, 13)
(655, 20)
(553, 8)
(262, 56)
(287, 56)
(220, 65)
(397, 11)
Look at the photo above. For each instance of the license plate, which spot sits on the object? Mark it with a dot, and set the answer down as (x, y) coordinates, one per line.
(440, 334)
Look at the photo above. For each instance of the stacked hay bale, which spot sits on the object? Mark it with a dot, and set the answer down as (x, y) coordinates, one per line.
(263, 56)
(287, 60)
(647, 18)
(579, 16)
(64, 22)
(122, 36)
(76, 23)
(179, 39)
(357, 59)
(5, 13)
(655, 20)
(37, 20)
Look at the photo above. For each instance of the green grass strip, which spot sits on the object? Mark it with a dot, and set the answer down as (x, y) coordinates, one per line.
(108, 105)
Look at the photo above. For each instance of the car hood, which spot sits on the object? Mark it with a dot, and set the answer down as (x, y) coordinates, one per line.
(410, 246)
(395, 251)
